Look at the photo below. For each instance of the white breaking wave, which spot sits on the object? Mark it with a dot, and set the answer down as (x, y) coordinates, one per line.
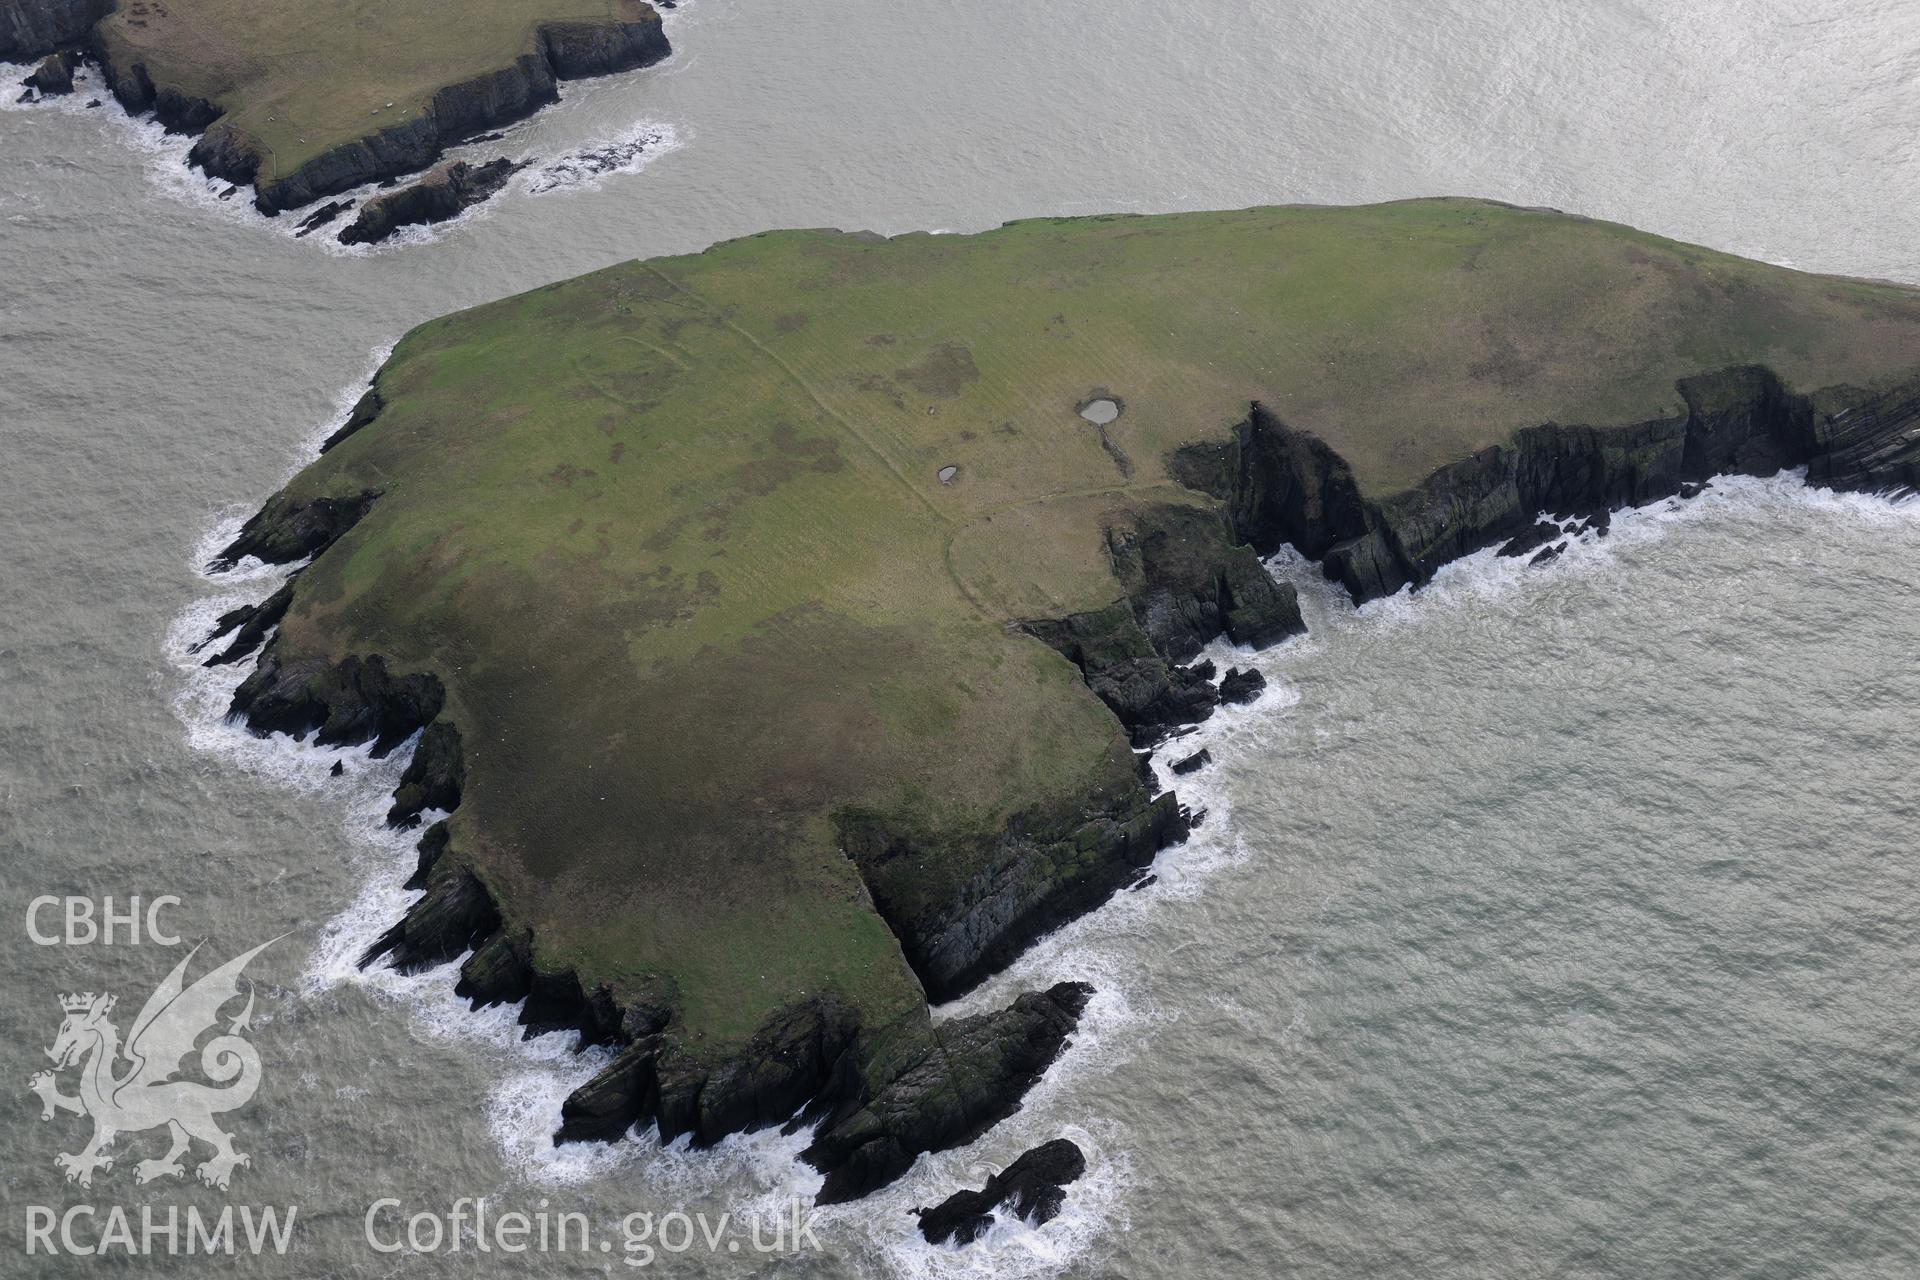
(1486, 575)
(532, 1077)
(1103, 947)
(1119, 1022)
(588, 167)
(524, 1105)
(86, 88)
(761, 1173)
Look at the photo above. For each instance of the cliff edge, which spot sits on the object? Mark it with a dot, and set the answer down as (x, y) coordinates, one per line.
(300, 109)
(777, 627)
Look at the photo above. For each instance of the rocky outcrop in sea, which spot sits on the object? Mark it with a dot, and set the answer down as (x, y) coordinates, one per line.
(1033, 1188)
(880, 1096)
(443, 194)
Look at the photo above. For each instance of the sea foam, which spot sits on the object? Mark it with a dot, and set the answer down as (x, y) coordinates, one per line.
(761, 1173)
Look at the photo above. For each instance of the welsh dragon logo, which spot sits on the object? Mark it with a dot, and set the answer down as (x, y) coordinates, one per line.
(132, 1088)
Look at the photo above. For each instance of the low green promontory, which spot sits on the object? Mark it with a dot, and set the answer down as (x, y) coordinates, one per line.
(719, 559)
(304, 98)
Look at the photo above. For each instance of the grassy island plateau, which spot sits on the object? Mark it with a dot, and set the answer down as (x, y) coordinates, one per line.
(303, 100)
(780, 623)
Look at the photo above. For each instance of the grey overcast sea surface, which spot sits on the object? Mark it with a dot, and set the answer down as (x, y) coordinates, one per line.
(1550, 923)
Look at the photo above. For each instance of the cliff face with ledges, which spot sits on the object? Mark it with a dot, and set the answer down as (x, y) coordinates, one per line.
(846, 699)
(33, 28)
(564, 51)
(137, 78)
(1288, 487)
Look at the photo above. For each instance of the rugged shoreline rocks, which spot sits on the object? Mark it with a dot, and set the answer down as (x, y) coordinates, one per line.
(444, 193)
(34, 28)
(881, 1095)
(563, 50)
(54, 76)
(1285, 486)
(1033, 1189)
(1187, 580)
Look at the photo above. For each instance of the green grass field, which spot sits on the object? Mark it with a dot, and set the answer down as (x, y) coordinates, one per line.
(672, 534)
(301, 77)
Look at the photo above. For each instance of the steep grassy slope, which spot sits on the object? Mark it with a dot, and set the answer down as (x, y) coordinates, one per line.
(674, 540)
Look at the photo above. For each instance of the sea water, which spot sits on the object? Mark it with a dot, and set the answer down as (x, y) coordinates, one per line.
(1554, 921)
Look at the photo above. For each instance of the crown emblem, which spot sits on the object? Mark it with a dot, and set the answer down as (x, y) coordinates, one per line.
(76, 1004)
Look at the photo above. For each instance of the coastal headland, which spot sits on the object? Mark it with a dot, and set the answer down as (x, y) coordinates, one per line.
(780, 623)
(304, 101)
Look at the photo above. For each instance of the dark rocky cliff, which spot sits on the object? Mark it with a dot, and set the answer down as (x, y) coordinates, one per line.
(1283, 485)
(33, 28)
(1041, 872)
(882, 1095)
(1185, 581)
(1032, 1188)
(564, 51)
(1868, 444)
(442, 194)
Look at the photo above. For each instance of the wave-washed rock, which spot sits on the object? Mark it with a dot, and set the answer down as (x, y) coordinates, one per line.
(879, 1096)
(1033, 1188)
(34, 28)
(1285, 486)
(563, 50)
(54, 76)
(443, 194)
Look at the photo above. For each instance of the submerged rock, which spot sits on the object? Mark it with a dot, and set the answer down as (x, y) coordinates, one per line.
(318, 218)
(442, 194)
(1033, 1188)
(583, 166)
